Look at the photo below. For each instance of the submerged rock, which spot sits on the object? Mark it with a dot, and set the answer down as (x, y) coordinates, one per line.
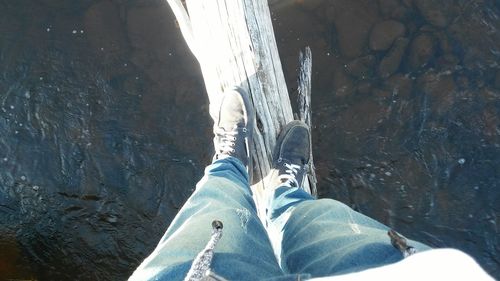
(422, 49)
(384, 34)
(435, 11)
(353, 21)
(361, 67)
(390, 63)
(387, 7)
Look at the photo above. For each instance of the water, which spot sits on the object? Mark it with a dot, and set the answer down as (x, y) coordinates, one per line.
(105, 127)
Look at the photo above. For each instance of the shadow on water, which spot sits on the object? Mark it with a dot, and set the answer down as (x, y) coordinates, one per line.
(105, 127)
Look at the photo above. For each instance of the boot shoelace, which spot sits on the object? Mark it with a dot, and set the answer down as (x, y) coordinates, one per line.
(289, 178)
(227, 140)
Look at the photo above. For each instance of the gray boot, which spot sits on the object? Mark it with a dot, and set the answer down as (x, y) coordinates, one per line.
(233, 127)
(291, 156)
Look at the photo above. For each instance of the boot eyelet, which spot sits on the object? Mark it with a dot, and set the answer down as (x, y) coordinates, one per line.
(280, 159)
(244, 130)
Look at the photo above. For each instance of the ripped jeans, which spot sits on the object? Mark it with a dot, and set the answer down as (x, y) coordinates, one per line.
(311, 238)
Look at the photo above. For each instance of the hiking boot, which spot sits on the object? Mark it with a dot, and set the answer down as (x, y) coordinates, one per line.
(233, 127)
(291, 156)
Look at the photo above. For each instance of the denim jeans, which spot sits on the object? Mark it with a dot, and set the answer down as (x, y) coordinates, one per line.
(310, 237)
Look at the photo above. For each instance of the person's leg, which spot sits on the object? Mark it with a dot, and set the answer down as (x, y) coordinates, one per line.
(321, 237)
(244, 251)
(325, 237)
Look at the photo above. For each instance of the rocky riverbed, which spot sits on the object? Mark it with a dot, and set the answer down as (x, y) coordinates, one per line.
(105, 130)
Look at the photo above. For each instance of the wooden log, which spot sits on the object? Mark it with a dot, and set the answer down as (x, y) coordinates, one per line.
(305, 111)
(234, 43)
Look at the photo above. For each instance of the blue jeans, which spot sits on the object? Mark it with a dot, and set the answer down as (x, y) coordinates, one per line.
(312, 237)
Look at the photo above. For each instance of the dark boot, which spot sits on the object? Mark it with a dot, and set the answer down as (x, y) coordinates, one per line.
(233, 127)
(291, 156)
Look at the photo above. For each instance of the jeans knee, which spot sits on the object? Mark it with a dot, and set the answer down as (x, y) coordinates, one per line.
(324, 205)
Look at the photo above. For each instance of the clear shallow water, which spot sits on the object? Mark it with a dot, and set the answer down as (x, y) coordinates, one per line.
(105, 128)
